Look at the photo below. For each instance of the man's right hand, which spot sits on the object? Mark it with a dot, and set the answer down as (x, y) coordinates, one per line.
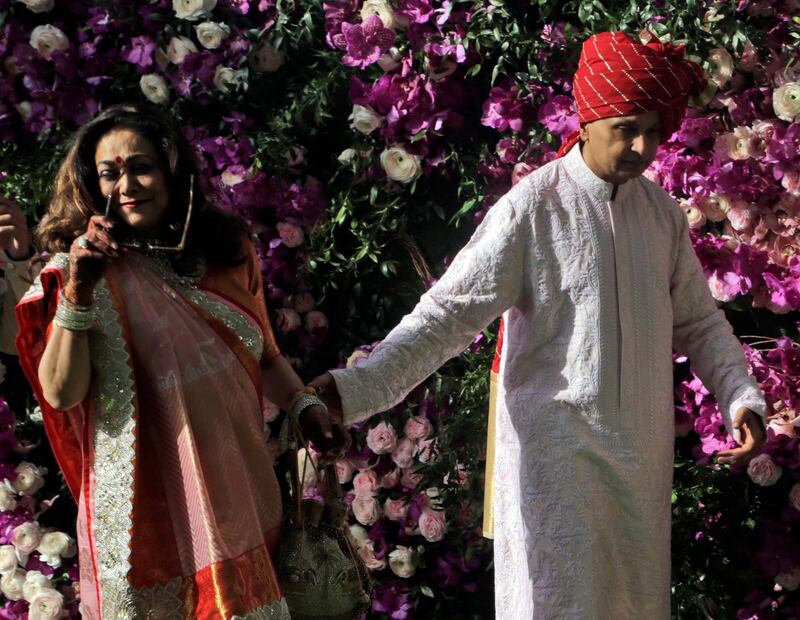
(327, 391)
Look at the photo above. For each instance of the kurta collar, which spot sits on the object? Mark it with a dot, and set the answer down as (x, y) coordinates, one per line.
(598, 188)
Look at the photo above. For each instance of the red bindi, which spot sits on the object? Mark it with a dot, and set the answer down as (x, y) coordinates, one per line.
(118, 159)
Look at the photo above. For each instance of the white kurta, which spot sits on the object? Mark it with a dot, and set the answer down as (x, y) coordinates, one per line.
(596, 294)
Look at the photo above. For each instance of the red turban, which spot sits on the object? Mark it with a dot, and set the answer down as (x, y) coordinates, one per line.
(619, 77)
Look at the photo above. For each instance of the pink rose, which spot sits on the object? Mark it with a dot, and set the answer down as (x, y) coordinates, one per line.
(410, 479)
(426, 451)
(396, 509)
(344, 471)
(432, 525)
(794, 496)
(403, 453)
(366, 482)
(366, 509)
(316, 320)
(417, 428)
(381, 439)
(291, 235)
(287, 320)
(763, 470)
(390, 479)
(367, 553)
(303, 302)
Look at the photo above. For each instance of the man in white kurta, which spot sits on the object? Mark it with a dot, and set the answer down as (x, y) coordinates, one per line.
(597, 283)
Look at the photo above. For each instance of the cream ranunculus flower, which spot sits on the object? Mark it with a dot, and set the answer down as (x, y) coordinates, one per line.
(30, 478)
(192, 10)
(54, 546)
(47, 39)
(47, 605)
(35, 582)
(268, 59)
(38, 6)
(786, 102)
(382, 9)
(26, 536)
(11, 584)
(716, 207)
(155, 88)
(212, 34)
(226, 79)
(695, 216)
(178, 48)
(400, 165)
(364, 119)
(347, 156)
(8, 498)
(403, 562)
(720, 66)
(8, 559)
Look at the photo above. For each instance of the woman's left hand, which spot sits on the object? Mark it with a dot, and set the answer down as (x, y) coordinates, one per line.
(328, 434)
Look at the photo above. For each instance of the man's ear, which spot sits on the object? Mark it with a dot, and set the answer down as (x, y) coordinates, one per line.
(583, 132)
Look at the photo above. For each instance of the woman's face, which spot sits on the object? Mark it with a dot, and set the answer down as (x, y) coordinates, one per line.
(128, 168)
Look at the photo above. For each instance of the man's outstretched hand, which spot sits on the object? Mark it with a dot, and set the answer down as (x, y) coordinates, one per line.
(752, 436)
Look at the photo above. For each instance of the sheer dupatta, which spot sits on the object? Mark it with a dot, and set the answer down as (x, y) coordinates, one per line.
(179, 508)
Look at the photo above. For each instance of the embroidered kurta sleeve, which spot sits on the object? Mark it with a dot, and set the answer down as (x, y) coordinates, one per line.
(701, 332)
(484, 280)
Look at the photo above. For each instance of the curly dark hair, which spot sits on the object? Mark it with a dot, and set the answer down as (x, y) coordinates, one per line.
(213, 234)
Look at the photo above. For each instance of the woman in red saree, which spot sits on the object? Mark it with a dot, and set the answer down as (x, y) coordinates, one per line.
(150, 368)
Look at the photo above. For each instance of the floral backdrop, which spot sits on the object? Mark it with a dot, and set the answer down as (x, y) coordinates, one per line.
(364, 140)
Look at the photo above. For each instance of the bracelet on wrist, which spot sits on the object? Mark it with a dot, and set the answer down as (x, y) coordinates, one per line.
(303, 401)
(72, 316)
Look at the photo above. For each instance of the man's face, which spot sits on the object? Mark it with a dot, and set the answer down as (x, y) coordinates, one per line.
(619, 149)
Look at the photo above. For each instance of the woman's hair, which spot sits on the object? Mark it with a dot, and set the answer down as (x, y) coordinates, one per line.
(213, 234)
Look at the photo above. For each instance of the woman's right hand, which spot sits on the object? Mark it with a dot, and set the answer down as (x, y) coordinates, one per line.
(89, 256)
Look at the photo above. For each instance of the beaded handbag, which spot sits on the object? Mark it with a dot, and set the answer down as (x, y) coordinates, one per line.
(321, 575)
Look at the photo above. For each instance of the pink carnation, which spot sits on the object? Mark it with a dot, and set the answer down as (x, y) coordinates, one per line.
(381, 439)
(432, 525)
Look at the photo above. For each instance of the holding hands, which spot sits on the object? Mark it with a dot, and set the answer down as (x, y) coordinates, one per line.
(752, 434)
(323, 427)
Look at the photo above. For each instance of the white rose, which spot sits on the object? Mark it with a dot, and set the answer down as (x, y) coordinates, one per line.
(26, 536)
(268, 59)
(789, 581)
(400, 165)
(155, 88)
(29, 478)
(8, 559)
(226, 79)
(720, 66)
(178, 48)
(716, 207)
(380, 8)
(8, 499)
(47, 39)
(364, 119)
(347, 156)
(358, 535)
(192, 10)
(212, 34)
(47, 605)
(11, 584)
(763, 470)
(54, 546)
(35, 582)
(786, 102)
(402, 561)
(38, 6)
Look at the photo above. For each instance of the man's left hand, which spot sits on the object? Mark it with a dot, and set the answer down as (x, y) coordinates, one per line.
(752, 436)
